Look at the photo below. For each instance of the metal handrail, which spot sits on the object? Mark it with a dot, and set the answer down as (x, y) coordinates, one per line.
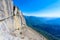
(6, 18)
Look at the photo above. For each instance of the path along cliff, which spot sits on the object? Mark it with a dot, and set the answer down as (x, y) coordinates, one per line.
(13, 25)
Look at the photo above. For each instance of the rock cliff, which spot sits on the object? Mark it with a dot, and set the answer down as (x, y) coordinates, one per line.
(13, 25)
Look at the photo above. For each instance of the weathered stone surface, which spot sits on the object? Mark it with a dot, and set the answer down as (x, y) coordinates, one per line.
(13, 25)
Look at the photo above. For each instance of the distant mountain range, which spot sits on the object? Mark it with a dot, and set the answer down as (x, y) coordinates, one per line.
(51, 26)
(42, 20)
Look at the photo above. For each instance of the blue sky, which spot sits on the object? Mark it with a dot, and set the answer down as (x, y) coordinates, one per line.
(41, 8)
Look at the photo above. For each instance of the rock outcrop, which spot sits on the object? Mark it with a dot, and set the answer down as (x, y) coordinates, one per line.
(13, 25)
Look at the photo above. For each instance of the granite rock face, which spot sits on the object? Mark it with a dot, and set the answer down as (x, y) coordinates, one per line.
(13, 25)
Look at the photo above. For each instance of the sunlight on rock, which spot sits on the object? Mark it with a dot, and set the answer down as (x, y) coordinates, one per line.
(13, 25)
